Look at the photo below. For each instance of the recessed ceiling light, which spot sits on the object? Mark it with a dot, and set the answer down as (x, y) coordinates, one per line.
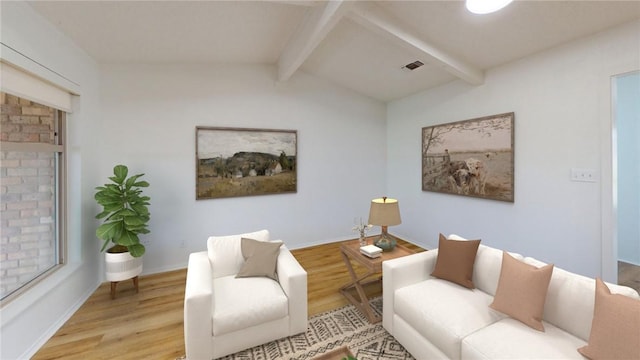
(486, 6)
(414, 65)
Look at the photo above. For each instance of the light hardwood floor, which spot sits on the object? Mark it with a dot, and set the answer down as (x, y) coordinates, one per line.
(629, 275)
(148, 325)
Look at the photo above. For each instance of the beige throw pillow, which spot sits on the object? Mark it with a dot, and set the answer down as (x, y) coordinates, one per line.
(522, 291)
(260, 258)
(615, 329)
(455, 261)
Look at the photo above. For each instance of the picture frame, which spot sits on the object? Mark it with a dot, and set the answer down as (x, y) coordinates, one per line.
(472, 157)
(233, 162)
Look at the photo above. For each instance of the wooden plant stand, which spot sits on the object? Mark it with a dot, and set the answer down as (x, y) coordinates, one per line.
(114, 284)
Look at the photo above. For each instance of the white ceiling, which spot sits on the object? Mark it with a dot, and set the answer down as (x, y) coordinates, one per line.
(361, 45)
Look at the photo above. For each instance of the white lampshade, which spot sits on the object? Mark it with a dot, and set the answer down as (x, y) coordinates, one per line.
(486, 6)
(384, 212)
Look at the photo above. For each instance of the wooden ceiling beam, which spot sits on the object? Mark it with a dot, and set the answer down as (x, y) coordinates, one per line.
(374, 18)
(318, 22)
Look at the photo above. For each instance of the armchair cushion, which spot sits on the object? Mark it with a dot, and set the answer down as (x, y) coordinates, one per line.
(239, 303)
(225, 253)
(260, 258)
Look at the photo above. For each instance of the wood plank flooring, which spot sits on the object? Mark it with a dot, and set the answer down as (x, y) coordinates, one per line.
(148, 325)
(327, 273)
(629, 275)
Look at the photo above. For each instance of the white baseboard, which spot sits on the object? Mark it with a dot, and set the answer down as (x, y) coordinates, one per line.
(162, 269)
(629, 262)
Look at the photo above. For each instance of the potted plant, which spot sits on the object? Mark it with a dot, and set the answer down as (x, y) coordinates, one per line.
(125, 215)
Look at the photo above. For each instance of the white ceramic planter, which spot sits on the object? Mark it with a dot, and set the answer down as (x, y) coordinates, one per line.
(122, 266)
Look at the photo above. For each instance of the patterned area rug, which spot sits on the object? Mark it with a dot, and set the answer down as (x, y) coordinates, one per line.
(331, 330)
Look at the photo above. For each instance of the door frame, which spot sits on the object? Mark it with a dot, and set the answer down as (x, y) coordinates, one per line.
(609, 170)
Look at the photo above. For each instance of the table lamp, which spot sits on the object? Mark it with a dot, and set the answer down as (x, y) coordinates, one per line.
(384, 212)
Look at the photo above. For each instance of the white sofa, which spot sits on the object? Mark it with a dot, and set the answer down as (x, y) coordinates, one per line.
(437, 319)
(224, 314)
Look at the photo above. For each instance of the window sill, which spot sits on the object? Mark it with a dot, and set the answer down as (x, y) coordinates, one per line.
(21, 303)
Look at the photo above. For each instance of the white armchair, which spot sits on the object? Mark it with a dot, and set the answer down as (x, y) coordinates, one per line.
(224, 314)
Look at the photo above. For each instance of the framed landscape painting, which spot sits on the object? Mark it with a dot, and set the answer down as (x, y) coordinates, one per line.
(245, 162)
(470, 158)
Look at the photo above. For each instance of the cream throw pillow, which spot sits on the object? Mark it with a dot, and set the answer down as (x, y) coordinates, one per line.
(260, 258)
(455, 261)
(225, 254)
(522, 291)
(615, 330)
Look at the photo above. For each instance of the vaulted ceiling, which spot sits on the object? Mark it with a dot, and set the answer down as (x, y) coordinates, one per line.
(361, 45)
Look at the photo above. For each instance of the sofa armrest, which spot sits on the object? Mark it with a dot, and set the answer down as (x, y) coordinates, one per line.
(401, 272)
(198, 299)
(293, 279)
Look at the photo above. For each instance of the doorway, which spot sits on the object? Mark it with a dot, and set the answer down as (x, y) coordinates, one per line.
(626, 169)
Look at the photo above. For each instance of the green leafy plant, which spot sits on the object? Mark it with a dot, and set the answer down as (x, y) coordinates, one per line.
(125, 211)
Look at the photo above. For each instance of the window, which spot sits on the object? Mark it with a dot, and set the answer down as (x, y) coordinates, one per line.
(31, 186)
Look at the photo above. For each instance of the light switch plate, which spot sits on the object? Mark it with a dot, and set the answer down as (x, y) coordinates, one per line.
(585, 175)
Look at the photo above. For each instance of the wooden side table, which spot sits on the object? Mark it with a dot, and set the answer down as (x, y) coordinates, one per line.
(350, 251)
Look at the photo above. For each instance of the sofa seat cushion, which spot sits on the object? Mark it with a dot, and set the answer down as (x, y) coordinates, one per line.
(444, 312)
(239, 303)
(510, 339)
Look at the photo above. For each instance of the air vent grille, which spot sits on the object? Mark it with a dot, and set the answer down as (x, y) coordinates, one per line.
(414, 65)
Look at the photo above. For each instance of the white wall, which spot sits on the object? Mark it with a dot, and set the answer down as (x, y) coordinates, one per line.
(557, 97)
(28, 321)
(150, 117)
(145, 116)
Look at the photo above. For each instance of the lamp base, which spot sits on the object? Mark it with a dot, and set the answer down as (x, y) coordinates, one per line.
(385, 242)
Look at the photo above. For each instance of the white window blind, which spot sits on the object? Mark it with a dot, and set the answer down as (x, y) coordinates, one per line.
(19, 83)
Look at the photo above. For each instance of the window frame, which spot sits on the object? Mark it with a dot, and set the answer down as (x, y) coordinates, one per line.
(60, 197)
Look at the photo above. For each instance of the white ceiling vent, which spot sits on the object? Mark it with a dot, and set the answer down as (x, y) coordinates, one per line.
(414, 65)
